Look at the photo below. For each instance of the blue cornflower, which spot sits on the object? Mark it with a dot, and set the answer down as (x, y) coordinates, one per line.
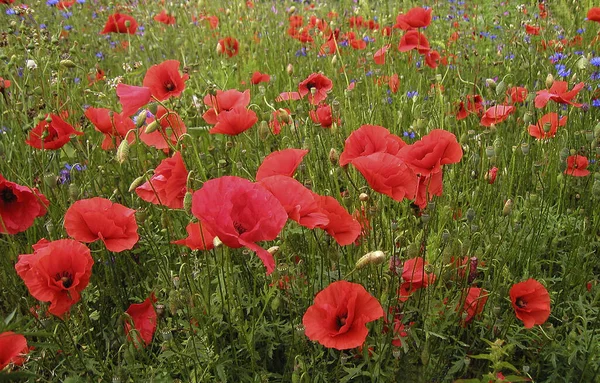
(412, 94)
(51, 3)
(100, 55)
(556, 57)
(595, 61)
(67, 27)
(66, 15)
(10, 12)
(562, 70)
(301, 52)
(595, 76)
(596, 103)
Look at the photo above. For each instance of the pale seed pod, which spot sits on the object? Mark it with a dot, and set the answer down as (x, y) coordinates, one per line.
(289, 69)
(372, 258)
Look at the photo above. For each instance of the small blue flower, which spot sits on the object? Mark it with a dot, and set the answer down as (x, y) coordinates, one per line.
(100, 55)
(10, 12)
(67, 27)
(51, 3)
(596, 103)
(595, 61)
(562, 70)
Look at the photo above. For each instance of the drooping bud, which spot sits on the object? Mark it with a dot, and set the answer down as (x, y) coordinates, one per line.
(123, 151)
(289, 69)
(491, 83)
(137, 182)
(508, 207)
(217, 242)
(334, 156)
(187, 202)
(549, 80)
(372, 258)
(67, 64)
(501, 88)
(273, 250)
(140, 119)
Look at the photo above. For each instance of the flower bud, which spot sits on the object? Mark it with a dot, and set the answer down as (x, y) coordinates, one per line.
(140, 120)
(217, 242)
(67, 64)
(549, 80)
(187, 202)
(123, 151)
(137, 182)
(508, 207)
(289, 69)
(273, 250)
(334, 156)
(263, 130)
(500, 88)
(363, 197)
(491, 83)
(372, 258)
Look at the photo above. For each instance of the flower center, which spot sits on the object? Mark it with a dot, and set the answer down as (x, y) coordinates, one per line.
(521, 303)
(239, 228)
(310, 85)
(65, 277)
(7, 195)
(341, 321)
(170, 86)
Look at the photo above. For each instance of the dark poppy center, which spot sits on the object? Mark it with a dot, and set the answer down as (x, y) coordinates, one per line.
(7, 195)
(65, 277)
(520, 303)
(239, 227)
(341, 320)
(169, 86)
(310, 85)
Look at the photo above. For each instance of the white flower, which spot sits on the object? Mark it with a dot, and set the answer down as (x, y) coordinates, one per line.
(31, 64)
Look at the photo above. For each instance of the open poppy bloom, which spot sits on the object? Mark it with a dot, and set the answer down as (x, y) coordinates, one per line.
(52, 133)
(4, 84)
(113, 125)
(167, 186)
(577, 166)
(234, 121)
(13, 348)
(199, 237)
(379, 56)
(315, 87)
(228, 46)
(240, 213)
(171, 127)
(532, 30)
(89, 220)
(19, 206)
(431, 152)
(531, 302)
(258, 77)
(547, 126)
(473, 304)
(143, 315)
(344, 228)
(164, 80)
(339, 315)
(594, 14)
(416, 17)
(282, 162)
(56, 272)
(559, 93)
(132, 98)
(518, 94)
(224, 101)
(415, 277)
(120, 23)
(369, 139)
(496, 114)
(323, 116)
(387, 174)
(279, 118)
(165, 18)
(414, 40)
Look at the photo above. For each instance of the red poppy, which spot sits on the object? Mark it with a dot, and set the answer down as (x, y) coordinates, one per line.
(531, 302)
(228, 46)
(258, 77)
(89, 220)
(339, 315)
(296, 21)
(415, 18)
(282, 162)
(342, 226)
(279, 118)
(164, 80)
(56, 272)
(132, 98)
(143, 315)
(4, 84)
(13, 348)
(285, 96)
(323, 116)
(594, 14)
(165, 18)
(6, 2)
(113, 125)
(431, 152)
(577, 166)
(414, 40)
(213, 21)
(473, 304)
(171, 127)
(517, 94)
(388, 174)
(199, 237)
(297, 200)
(224, 101)
(429, 186)
(119, 23)
(65, 4)
(167, 186)
(51, 133)
(532, 29)
(496, 114)
(394, 83)
(369, 139)
(547, 126)
(235, 121)
(315, 87)
(415, 277)
(559, 93)
(379, 56)
(491, 175)
(432, 59)
(19, 206)
(240, 213)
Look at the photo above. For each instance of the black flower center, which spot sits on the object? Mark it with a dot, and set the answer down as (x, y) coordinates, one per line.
(239, 228)
(169, 86)
(310, 85)
(521, 303)
(7, 195)
(65, 277)
(341, 320)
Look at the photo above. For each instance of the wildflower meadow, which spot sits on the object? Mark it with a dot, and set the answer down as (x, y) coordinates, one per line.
(300, 191)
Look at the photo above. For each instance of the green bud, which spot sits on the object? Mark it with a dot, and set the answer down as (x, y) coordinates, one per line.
(67, 64)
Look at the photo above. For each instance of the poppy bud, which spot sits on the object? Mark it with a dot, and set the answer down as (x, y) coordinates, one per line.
(123, 151)
(508, 206)
(50, 180)
(372, 258)
(291, 10)
(582, 63)
(363, 197)
(334, 60)
(491, 83)
(273, 250)
(140, 119)
(263, 130)
(74, 191)
(549, 80)
(220, 48)
(564, 153)
(217, 242)
(67, 64)
(334, 156)
(137, 182)
(289, 69)
(187, 202)
(527, 117)
(500, 88)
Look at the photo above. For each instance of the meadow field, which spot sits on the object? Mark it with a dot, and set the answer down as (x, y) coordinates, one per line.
(287, 191)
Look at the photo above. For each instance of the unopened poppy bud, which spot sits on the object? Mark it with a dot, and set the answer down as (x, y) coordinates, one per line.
(582, 63)
(334, 156)
(491, 83)
(217, 242)
(137, 182)
(363, 197)
(501, 88)
(220, 48)
(67, 64)
(50, 180)
(263, 130)
(284, 116)
(74, 191)
(291, 10)
(508, 206)
(141, 215)
(549, 80)
(289, 69)
(140, 119)
(372, 258)
(334, 60)
(187, 202)
(273, 250)
(564, 153)
(123, 151)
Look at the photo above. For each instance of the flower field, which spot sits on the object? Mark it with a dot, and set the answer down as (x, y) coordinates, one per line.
(280, 191)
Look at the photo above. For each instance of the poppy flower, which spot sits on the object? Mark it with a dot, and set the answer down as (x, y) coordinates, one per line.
(429, 186)
(199, 237)
(235, 121)
(491, 175)
(296, 199)
(369, 139)
(240, 213)
(19, 206)
(339, 315)
(379, 56)
(531, 302)
(13, 348)
(113, 125)
(577, 166)
(282, 162)
(52, 133)
(285, 96)
(414, 40)
(559, 93)
(143, 315)
(279, 118)
(6, 2)
(416, 17)
(228, 46)
(56, 272)
(4, 84)
(171, 127)
(165, 18)
(164, 80)
(120, 23)
(415, 277)
(224, 101)
(167, 186)
(65, 4)
(517, 94)
(132, 98)
(473, 304)
(394, 83)
(315, 87)
(323, 116)
(258, 77)
(594, 14)
(532, 30)
(496, 114)
(387, 174)
(89, 220)
(213, 21)
(432, 59)
(342, 226)
(547, 126)
(431, 152)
